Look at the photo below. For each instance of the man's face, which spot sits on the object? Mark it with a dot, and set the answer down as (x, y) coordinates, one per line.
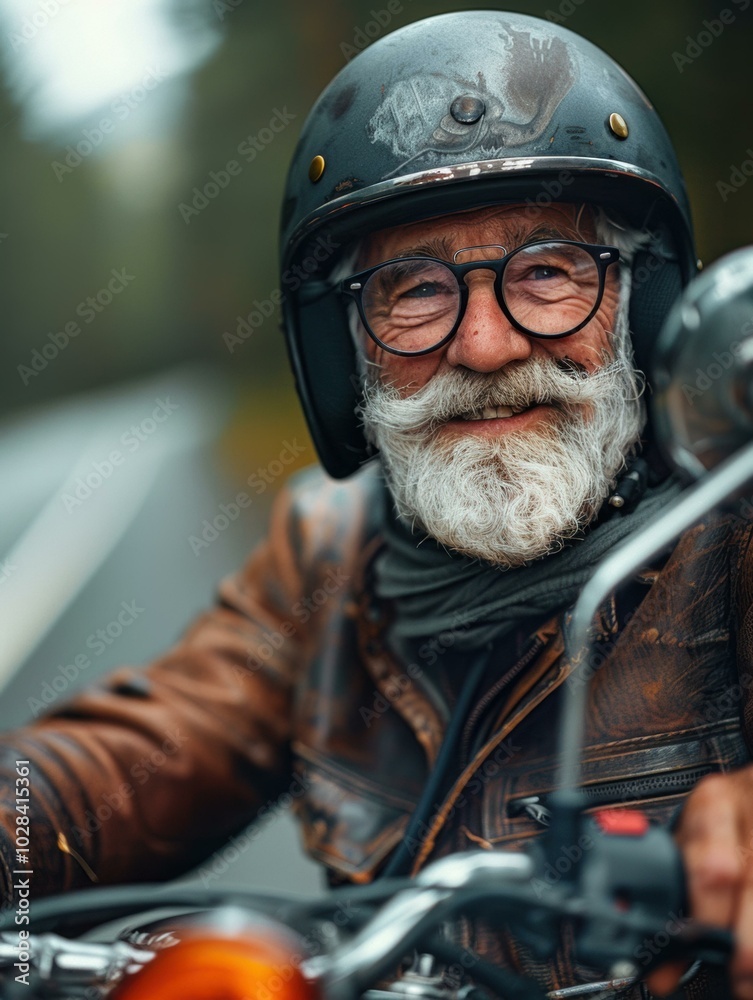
(505, 486)
(486, 340)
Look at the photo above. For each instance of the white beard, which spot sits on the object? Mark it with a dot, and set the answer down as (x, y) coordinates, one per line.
(514, 499)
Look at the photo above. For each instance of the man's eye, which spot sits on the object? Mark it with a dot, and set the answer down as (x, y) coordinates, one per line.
(543, 272)
(424, 290)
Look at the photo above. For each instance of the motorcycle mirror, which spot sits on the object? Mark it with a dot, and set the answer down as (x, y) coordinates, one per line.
(702, 368)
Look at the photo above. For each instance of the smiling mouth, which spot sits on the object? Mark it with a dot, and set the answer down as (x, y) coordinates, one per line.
(496, 412)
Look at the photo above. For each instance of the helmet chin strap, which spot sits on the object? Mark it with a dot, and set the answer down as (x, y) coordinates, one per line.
(657, 282)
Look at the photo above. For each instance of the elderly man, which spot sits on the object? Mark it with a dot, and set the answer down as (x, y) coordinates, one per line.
(483, 222)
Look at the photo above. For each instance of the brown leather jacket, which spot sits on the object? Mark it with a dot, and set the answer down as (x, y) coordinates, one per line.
(288, 688)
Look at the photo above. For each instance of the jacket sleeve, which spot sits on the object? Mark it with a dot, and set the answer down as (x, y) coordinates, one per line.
(149, 771)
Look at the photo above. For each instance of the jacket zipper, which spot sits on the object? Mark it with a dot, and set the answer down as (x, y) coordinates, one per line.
(614, 792)
(492, 693)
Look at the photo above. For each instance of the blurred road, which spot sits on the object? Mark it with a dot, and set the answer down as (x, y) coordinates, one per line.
(101, 497)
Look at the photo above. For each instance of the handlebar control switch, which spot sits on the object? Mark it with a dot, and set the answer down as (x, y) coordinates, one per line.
(622, 822)
(631, 883)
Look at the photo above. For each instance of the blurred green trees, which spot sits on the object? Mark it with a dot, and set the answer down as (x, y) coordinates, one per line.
(198, 267)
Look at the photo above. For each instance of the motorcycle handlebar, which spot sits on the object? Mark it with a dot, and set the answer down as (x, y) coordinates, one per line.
(510, 886)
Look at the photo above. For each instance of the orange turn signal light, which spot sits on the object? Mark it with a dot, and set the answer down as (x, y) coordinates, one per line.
(213, 966)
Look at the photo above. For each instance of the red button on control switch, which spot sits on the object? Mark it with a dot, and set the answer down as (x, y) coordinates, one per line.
(622, 822)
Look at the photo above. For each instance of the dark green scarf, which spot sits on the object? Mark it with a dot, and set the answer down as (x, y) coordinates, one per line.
(438, 591)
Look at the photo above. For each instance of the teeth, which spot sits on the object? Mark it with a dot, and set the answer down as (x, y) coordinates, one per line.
(494, 413)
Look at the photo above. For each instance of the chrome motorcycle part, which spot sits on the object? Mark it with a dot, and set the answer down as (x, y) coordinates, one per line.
(703, 367)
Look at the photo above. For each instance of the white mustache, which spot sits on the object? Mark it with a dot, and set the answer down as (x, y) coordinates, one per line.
(519, 385)
(514, 498)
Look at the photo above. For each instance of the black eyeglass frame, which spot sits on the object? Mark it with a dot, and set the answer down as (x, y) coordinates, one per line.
(603, 257)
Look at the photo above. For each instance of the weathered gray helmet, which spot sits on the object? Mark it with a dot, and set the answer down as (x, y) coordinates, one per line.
(456, 112)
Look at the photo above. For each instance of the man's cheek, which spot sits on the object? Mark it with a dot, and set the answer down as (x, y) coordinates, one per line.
(408, 374)
(598, 340)
(609, 306)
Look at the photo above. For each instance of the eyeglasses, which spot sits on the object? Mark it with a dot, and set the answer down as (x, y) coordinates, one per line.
(547, 289)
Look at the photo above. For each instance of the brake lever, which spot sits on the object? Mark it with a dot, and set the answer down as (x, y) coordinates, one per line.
(711, 945)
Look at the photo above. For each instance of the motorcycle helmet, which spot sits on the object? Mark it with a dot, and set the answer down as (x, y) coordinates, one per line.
(456, 112)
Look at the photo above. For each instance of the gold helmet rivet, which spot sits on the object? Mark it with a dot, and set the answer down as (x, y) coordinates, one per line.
(618, 125)
(316, 168)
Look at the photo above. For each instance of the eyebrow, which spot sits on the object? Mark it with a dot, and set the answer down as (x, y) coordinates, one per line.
(440, 247)
(546, 233)
(443, 247)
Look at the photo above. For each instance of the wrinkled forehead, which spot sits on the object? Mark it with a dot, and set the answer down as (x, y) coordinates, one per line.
(505, 225)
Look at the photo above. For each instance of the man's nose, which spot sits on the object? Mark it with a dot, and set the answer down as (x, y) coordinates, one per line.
(486, 340)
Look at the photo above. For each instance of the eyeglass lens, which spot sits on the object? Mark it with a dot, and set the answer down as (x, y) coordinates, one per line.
(413, 304)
